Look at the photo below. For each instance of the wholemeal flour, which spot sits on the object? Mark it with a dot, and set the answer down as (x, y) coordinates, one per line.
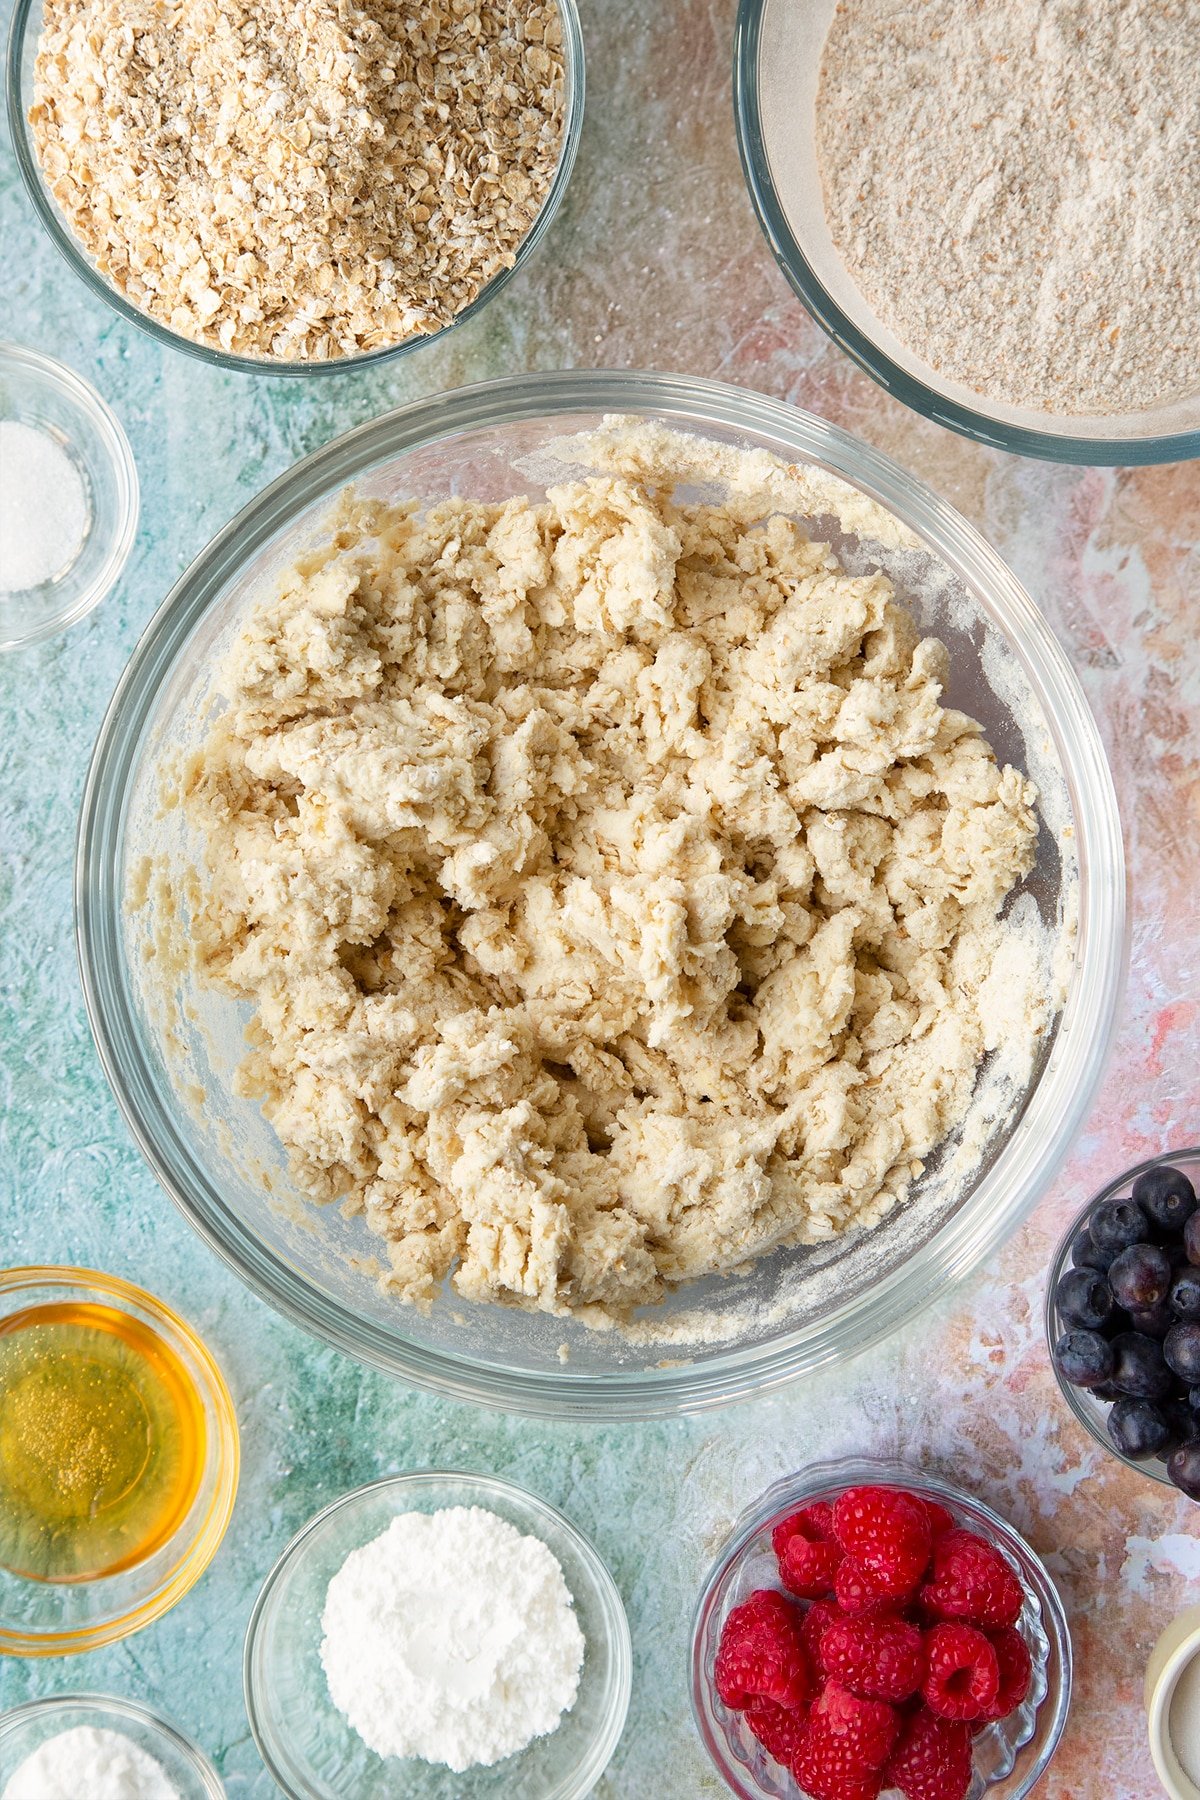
(1014, 187)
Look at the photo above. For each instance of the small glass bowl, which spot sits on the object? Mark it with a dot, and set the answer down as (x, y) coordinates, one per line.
(25, 1727)
(777, 141)
(24, 32)
(308, 1746)
(58, 1618)
(1010, 1756)
(1091, 1412)
(36, 391)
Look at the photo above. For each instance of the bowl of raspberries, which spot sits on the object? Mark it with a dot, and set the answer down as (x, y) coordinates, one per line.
(1123, 1318)
(869, 1630)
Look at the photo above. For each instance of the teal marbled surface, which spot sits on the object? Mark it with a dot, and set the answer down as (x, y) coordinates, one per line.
(654, 262)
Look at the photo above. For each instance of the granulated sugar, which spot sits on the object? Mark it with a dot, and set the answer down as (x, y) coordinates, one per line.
(1014, 186)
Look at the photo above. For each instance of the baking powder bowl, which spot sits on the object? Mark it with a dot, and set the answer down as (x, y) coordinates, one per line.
(38, 392)
(312, 1751)
(1176, 1648)
(182, 1761)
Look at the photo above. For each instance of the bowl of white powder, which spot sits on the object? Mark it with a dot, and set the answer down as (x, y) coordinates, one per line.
(598, 894)
(68, 1746)
(68, 497)
(447, 1636)
(991, 208)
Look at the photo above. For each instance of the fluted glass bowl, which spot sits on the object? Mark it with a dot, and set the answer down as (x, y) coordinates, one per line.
(26, 1727)
(1009, 1756)
(311, 1750)
(789, 1312)
(777, 140)
(25, 30)
(1092, 1412)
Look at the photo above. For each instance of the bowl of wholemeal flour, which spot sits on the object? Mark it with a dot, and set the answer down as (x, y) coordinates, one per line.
(296, 186)
(991, 207)
(599, 894)
(443, 1635)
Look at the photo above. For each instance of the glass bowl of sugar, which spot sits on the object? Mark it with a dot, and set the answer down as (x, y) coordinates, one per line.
(68, 497)
(71, 1742)
(361, 1631)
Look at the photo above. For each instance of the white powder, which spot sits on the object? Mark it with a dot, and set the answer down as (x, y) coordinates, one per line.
(1183, 1720)
(1014, 186)
(87, 1760)
(451, 1637)
(43, 508)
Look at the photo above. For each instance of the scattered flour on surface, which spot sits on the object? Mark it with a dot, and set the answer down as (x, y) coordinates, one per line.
(452, 1637)
(103, 1765)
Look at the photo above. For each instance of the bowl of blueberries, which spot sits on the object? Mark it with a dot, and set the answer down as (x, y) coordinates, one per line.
(1123, 1319)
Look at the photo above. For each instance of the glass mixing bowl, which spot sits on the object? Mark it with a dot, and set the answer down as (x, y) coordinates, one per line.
(24, 31)
(777, 140)
(26, 1727)
(787, 1313)
(1009, 1757)
(311, 1749)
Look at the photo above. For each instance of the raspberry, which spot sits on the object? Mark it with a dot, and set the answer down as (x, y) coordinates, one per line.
(940, 1520)
(932, 1760)
(817, 1620)
(812, 1522)
(866, 1728)
(1016, 1671)
(808, 1553)
(964, 1672)
(856, 1592)
(761, 1654)
(971, 1581)
(880, 1659)
(888, 1534)
(843, 1746)
(777, 1729)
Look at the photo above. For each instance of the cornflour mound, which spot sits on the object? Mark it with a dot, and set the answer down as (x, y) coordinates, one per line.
(617, 899)
(452, 1637)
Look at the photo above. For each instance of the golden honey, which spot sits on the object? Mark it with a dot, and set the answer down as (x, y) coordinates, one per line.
(102, 1441)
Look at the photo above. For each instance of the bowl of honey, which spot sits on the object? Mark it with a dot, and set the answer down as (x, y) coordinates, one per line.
(118, 1459)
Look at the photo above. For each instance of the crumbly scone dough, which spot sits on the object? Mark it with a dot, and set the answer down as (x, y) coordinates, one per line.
(615, 895)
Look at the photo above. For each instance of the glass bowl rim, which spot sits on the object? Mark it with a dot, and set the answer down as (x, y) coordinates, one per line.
(111, 432)
(115, 1705)
(119, 1707)
(1151, 1469)
(222, 1457)
(972, 422)
(64, 241)
(847, 1471)
(618, 1639)
(1037, 1144)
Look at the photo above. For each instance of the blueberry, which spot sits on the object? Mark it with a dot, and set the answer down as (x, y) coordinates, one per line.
(1191, 1238)
(1181, 1349)
(1140, 1277)
(1085, 1255)
(1083, 1358)
(1138, 1366)
(1106, 1390)
(1166, 1196)
(1183, 1466)
(1185, 1295)
(1137, 1427)
(1155, 1322)
(1116, 1224)
(1194, 1400)
(1181, 1420)
(1083, 1298)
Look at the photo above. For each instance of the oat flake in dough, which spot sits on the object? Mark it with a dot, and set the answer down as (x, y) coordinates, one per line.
(616, 897)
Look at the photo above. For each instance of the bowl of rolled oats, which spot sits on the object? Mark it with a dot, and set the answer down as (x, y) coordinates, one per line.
(296, 186)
